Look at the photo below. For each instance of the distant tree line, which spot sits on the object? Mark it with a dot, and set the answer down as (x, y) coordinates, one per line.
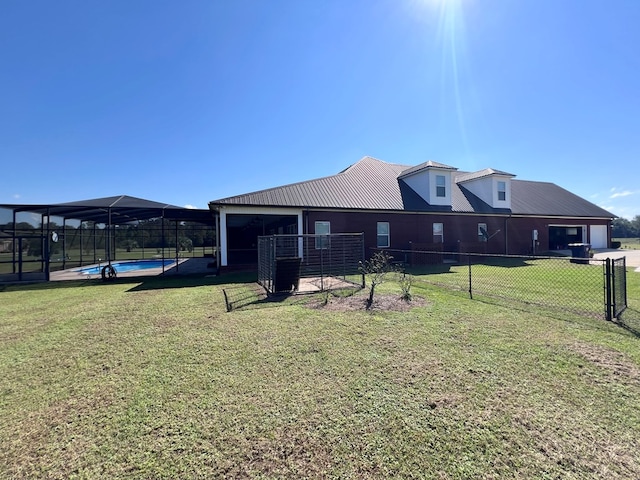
(624, 228)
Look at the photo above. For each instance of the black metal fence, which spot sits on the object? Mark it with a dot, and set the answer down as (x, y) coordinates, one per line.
(616, 286)
(310, 263)
(583, 286)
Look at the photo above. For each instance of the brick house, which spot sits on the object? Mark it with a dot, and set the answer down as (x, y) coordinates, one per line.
(402, 207)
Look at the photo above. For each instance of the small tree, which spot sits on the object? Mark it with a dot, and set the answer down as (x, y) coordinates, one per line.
(376, 268)
(406, 281)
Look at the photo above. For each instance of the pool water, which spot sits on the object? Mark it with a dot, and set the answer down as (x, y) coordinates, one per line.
(128, 266)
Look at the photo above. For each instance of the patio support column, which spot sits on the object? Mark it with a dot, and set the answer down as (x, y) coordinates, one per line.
(108, 239)
(95, 244)
(163, 241)
(64, 242)
(81, 242)
(46, 246)
(13, 242)
(176, 245)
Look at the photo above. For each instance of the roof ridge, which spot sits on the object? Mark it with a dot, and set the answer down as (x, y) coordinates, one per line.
(303, 182)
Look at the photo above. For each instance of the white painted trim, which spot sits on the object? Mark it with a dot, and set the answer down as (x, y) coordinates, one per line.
(240, 210)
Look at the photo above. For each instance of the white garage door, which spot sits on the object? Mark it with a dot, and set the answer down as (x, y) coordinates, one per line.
(598, 235)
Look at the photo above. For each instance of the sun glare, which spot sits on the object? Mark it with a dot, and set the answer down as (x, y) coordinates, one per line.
(450, 39)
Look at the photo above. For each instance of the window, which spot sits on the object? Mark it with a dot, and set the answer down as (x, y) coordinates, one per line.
(502, 191)
(438, 233)
(383, 235)
(483, 233)
(441, 186)
(322, 228)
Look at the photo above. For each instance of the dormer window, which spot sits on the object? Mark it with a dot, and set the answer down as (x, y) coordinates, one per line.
(441, 186)
(432, 181)
(502, 191)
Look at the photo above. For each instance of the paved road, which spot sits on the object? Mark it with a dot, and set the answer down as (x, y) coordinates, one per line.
(633, 256)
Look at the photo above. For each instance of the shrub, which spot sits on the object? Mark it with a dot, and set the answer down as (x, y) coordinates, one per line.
(406, 281)
(376, 268)
(616, 244)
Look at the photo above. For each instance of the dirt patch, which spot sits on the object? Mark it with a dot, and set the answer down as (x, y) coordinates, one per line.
(616, 364)
(358, 301)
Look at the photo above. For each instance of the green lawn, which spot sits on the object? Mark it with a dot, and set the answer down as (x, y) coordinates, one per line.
(629, 243)
(154, 379)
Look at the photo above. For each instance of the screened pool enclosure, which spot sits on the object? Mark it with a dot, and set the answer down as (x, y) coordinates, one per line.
(36, 240)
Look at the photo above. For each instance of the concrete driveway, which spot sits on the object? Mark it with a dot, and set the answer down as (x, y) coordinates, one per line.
(633, 256)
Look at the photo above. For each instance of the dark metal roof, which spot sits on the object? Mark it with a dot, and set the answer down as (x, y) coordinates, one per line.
(543, 198)
(424, 166)
(481, 174)
(117, 209)
(371, 184)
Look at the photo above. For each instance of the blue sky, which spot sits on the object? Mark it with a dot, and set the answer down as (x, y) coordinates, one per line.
(189, 101)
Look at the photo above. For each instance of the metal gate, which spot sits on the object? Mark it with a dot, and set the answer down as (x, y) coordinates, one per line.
(310, 263)
(615, 287)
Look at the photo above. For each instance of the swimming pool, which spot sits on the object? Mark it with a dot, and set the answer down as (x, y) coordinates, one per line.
(127, 266)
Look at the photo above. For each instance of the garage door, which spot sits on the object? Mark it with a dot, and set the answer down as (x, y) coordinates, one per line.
(598, 236)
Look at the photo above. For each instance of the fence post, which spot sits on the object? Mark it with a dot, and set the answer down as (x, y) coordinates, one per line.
(470, 289)
(362, 255)
(608, 285)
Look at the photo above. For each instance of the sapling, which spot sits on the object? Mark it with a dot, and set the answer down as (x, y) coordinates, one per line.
(376, 269)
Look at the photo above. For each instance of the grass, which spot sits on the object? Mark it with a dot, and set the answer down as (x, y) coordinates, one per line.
(154, 379)
(629, 243)
(553, 283)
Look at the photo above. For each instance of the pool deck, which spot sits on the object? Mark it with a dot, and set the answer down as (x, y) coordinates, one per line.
(186, 266)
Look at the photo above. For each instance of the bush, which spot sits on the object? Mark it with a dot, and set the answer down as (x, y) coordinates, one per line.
(376, 269)
(405, 280)
(616, 244)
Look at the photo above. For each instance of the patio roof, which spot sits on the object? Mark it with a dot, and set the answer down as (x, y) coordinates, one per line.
(114, 210)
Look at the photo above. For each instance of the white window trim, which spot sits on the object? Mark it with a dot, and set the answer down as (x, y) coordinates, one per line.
(441, 234)
(481, 237)
(320, 242)
(443, 186)
(387, 235)
(504, 191)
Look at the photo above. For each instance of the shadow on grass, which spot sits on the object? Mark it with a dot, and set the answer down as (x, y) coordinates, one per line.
(577, 317)
(435, 269)
(248, 296)
(630, 321)
(439, 268)
(19, 287)
(186, 281)
(137, 283)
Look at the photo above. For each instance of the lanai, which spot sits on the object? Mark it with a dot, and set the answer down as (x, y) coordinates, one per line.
(109, 212)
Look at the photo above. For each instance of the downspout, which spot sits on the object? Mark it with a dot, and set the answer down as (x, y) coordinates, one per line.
(305, 227)
(506, 234)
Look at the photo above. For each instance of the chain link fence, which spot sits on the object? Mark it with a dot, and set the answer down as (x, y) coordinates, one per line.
(581, 286)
